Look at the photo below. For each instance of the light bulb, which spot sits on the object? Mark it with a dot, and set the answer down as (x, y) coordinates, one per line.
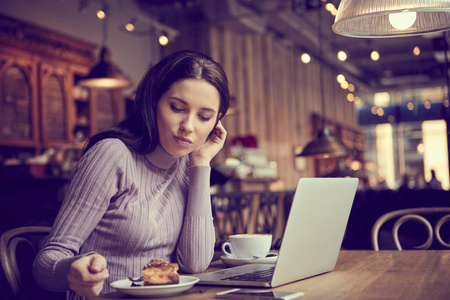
(330, 7)
(421, 148)
(305, 58)
(340, 78)
(373, 110)
(374, 55)
(101, 14)
(163, 40)
(129, 26)
(342, 56)
(351, 87)
(402, 20)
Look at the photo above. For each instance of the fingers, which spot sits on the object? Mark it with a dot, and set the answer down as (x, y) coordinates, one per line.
(87, 275)
(87, 288)
(97, 264)
(219, 132)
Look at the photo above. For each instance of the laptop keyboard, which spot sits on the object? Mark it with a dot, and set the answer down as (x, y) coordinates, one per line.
(261, 275)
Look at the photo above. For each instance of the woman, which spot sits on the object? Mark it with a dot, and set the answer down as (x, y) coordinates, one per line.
(141, 189)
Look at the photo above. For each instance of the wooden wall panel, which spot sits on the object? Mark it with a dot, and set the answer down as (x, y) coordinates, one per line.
(276, 95)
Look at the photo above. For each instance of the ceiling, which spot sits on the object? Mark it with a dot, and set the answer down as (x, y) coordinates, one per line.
(299, 24)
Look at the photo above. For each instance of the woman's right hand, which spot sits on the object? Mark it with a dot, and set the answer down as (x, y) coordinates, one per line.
(87, 275)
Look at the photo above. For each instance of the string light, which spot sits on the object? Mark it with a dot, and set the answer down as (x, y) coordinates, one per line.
(380, 111)
(416, 51)
(351, 88)
(373, 110)
(342, 56)
(163, 40)
(421, 148)
(101, 14)
(340, 78)
(375, 56)
(331, 8)
(130, 25)
(305, 57)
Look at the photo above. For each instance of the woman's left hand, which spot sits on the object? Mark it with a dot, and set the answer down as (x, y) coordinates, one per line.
(203, 155)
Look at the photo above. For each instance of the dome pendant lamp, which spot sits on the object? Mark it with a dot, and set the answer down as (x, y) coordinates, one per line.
(105, 74)
(391, 18)
(324, 145)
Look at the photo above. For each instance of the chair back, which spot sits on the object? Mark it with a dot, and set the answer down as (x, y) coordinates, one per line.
(18, 248)
(250, 212)
(420, 215)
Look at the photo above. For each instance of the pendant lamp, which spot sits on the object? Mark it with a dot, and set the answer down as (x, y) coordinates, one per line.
(391, 18)
(105, 74)
(324, 145)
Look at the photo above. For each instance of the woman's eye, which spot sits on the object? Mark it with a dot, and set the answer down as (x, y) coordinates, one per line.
(204, 118)
(176, 109)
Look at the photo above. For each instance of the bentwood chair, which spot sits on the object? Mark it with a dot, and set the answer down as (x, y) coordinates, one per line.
(18, 248)
(424, 216)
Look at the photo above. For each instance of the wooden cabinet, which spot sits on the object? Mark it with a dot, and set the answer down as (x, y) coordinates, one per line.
(55, 122)
(96, 110)
(40, 104)
(108, 106)
(18, 103)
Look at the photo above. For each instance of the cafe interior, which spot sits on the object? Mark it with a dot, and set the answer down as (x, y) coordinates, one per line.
(310, 97)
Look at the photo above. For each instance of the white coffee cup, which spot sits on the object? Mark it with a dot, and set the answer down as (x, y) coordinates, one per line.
(248, 245)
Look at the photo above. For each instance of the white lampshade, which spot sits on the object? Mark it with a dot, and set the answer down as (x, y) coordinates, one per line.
(391, 18)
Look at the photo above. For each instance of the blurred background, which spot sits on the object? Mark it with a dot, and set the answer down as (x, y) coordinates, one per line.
(384, 100)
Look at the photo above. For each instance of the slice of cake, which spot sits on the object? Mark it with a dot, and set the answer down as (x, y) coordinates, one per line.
(158, 272)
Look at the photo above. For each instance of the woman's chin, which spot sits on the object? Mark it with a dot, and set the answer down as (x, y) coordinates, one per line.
(178, 152)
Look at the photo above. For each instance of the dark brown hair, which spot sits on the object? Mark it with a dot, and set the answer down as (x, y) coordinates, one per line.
(139, 130)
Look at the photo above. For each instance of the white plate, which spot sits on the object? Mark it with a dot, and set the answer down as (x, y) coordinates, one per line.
(124, 286)
(233, 261)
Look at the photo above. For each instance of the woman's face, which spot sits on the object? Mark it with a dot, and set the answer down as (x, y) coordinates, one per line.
(186, 114)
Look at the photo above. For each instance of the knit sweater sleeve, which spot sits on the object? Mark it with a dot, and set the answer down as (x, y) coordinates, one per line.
(95, 181)
(195, 247)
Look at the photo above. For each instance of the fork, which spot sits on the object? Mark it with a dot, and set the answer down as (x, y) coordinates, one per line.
(131, 278)
(135, 279)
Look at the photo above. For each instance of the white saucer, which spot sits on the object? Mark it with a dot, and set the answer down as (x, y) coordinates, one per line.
(233, 261)
(124, 286)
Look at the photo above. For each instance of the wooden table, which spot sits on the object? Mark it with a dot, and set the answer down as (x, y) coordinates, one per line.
(360, 274)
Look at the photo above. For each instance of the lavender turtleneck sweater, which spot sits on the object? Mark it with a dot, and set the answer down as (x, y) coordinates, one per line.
(130, 208)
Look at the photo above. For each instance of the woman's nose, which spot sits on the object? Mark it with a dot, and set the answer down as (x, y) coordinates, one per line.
(187, 124)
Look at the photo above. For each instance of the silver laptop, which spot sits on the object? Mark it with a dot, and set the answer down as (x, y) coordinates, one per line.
(311, 241)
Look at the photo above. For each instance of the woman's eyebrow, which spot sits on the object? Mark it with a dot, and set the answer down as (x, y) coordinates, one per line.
(185, 103)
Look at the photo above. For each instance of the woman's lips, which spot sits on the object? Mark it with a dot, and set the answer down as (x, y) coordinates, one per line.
(183, 141)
